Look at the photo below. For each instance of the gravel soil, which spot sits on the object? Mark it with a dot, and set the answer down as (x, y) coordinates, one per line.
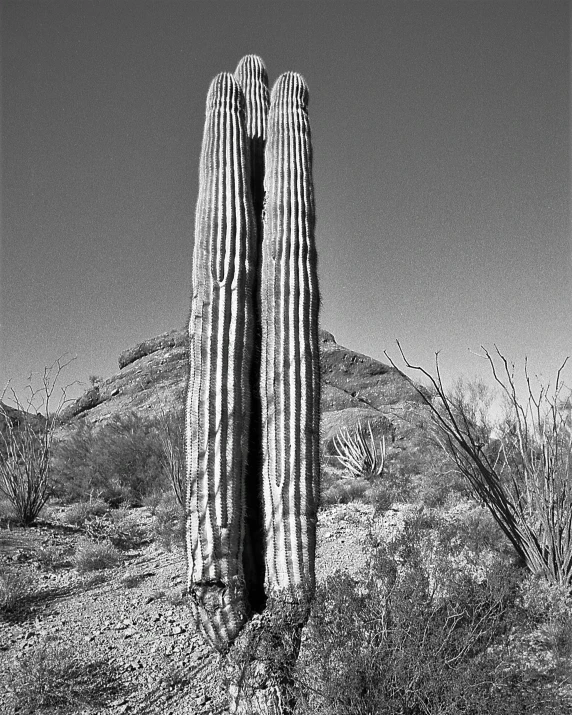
(123, 634)
(120, 639)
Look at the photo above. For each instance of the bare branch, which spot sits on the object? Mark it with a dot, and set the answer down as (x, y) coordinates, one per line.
(26, 435)
(526, 481)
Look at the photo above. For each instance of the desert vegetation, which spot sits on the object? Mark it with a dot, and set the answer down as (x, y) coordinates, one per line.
(456, 593)
(445, 615)
(26, 434)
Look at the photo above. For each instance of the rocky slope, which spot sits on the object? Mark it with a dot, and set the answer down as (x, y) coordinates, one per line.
(152, 377)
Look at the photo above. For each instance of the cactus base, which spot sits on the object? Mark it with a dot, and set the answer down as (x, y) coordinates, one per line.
(260, 667)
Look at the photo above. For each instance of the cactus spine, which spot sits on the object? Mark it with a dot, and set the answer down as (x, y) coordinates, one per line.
(290, 358)
(221, 341)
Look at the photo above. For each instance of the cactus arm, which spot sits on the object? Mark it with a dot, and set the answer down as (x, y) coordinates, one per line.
(290, 355)
(220, 344)
(252, 76)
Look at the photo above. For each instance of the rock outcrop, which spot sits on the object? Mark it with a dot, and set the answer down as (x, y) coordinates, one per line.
(153, 374)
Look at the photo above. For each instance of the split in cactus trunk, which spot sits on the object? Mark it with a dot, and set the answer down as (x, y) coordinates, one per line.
(253, 78)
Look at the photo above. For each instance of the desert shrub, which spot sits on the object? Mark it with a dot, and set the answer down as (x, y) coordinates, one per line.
(394, 487)
(381, 496)
(97, 506)
(393, 642)
(117, 527)
(78, 513)
(127, 533)
(169, 523)
(522, 469)
(171, 431)
(50, 558)
(464, 541)
(345, 491)
(329, 474)
(52, 678)
(26, 440)
(440, 488)
(7, 513)
(122, 461)
(152, 500)
(91, 556)
(14, 586)
(549, 608)
(469, 526)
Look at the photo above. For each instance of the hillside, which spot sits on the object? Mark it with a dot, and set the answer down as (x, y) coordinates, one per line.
(152, 377)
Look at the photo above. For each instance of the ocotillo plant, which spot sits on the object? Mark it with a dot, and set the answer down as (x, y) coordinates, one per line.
(221, 334)
(253, 478)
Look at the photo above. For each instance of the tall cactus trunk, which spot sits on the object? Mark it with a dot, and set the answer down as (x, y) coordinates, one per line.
(265, 654)
(290, 348)
(253, 78)
(221, 330)
(252, 417)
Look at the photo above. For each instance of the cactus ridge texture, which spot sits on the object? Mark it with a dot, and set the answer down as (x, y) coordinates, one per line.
(290, 358)
(221, 341)
(251, 74)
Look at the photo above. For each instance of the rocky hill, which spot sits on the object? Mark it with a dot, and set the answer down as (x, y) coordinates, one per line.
(152, 377)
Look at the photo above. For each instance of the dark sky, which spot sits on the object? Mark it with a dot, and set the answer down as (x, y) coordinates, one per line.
(441, 136)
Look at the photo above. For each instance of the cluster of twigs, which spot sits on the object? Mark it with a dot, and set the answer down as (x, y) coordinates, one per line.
(523, 473)
(26, 436)
(360, 454)
(172, 443)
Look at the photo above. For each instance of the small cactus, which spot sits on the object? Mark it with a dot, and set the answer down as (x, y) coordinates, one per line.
(360, 456)
(221, 334)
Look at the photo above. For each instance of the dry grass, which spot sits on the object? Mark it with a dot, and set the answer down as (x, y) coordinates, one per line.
(14, 586)
(53, 678)
(344, 491)
(77, 514)
(169, 523)
(95, 557)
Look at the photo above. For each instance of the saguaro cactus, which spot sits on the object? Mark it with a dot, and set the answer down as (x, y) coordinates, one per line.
(261, 665)
(221, 334)
(253, 396)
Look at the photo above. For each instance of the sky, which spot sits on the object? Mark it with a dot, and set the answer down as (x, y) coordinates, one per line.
(441, 134)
